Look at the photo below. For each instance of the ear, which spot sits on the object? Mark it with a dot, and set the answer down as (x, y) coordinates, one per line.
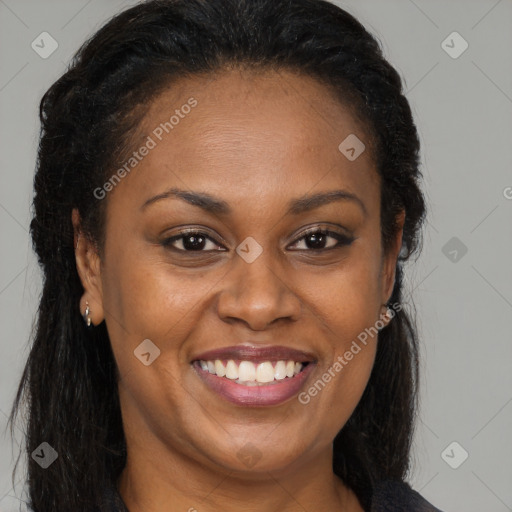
(89, 271)
(390, 259)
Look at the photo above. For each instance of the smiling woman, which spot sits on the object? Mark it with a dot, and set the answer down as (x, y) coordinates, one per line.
(226, 192)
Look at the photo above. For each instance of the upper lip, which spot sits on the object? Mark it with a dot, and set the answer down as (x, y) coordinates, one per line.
(256, 354)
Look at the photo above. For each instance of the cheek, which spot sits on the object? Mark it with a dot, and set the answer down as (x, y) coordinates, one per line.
(145, 299)
(345, 307)
(347, 301)
(148, 301)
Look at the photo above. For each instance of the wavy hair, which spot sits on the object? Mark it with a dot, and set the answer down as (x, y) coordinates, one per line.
(69, 383)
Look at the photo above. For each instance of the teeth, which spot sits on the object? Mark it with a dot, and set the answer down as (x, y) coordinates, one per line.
(232, 370)
(247, 371)
(280, 370)
(265, 372)
(250, 374)
(219, 368)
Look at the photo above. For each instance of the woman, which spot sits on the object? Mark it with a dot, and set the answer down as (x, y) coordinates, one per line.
(226, 192)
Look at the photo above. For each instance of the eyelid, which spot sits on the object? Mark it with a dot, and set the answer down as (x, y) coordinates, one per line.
(320, 227)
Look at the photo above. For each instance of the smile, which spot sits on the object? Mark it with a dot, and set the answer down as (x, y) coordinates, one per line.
(254, 375)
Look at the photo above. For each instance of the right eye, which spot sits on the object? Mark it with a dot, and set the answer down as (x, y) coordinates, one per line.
(192, 241)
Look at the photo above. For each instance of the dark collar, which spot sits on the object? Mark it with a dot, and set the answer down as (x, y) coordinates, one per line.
(112, 501)
(388, 496)
(396, 496)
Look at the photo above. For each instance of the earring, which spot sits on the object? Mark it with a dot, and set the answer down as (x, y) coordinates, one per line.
(86, 315)
(388, 314)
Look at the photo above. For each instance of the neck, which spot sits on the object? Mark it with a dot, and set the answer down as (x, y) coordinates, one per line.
(152, 482)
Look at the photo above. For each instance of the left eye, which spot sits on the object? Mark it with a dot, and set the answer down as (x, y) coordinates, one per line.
(319, 240)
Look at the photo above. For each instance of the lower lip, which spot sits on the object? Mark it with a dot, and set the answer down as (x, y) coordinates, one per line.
(265, 395)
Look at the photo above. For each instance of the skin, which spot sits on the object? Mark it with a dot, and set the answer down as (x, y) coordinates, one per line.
(256, 141)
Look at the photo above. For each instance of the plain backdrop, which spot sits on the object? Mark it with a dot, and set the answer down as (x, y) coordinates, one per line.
(461, 284)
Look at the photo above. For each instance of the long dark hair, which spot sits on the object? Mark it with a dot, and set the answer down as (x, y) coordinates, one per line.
(69, 384)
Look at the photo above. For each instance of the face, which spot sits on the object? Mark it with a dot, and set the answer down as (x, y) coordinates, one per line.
(242, 227)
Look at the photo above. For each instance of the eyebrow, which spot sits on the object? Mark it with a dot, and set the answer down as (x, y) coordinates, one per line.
(218, 206)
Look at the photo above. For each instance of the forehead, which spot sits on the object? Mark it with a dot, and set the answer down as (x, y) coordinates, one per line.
(240, 133)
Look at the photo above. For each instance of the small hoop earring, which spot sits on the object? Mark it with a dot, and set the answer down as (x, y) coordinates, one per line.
(86, 315)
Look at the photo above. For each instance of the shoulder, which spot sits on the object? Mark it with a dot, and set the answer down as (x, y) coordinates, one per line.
(397, 496)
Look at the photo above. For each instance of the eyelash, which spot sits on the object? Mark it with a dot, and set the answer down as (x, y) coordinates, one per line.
(342, 240)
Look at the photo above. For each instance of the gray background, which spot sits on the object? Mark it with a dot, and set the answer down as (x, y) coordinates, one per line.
(463, 110)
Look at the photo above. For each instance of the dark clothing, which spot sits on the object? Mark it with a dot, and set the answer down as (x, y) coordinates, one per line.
(399, 497)
(388, 497)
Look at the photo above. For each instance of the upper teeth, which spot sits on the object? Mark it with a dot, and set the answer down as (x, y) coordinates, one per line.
(247, 371)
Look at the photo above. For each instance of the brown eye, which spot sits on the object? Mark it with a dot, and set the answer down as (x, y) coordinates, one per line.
(320, 240)
(192, 241)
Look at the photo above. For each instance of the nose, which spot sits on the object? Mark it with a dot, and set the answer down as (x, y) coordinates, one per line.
(253, 293)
